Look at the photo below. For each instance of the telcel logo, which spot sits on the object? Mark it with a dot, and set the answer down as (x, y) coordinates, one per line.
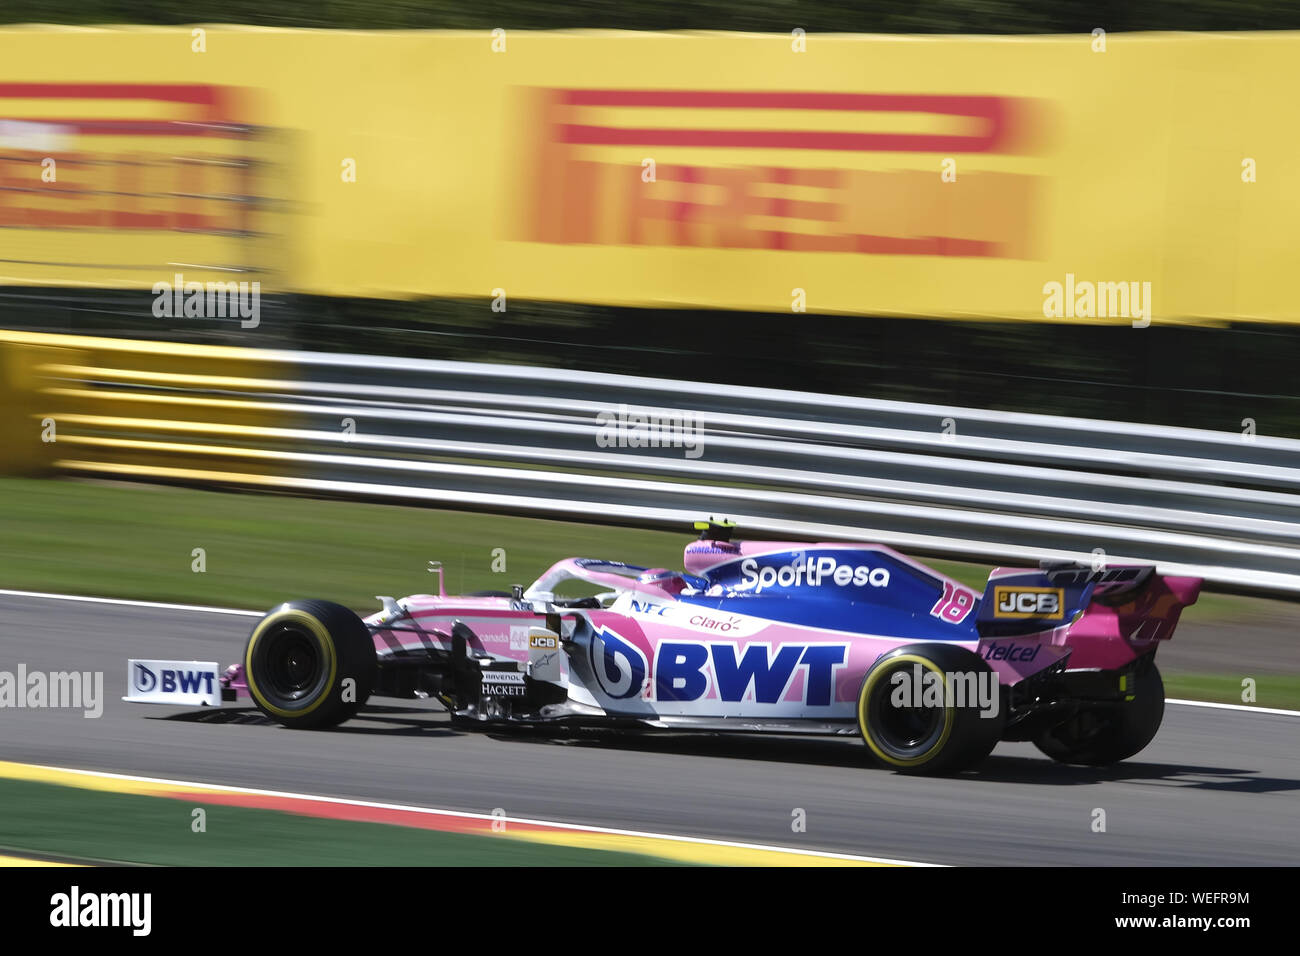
(811, 571)
(1018, 602)
(1023, 653)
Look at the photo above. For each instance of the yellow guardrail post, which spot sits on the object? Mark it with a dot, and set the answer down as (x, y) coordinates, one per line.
(28, 422)
(72, 402)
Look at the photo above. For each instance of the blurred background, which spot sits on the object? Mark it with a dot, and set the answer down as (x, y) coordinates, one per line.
(1116, 165)
(299, 297)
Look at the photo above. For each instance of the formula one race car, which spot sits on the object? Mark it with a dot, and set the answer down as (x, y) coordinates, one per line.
(759, 636)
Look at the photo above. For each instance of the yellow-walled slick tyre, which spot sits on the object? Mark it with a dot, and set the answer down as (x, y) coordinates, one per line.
(310, 664)
(930, 709)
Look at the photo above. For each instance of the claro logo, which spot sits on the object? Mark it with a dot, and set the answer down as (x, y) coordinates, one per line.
(813, 572)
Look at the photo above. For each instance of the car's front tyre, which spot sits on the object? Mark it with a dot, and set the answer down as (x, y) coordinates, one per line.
(310, 664)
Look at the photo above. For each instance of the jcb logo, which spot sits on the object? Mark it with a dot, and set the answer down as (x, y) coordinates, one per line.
(1009, 602)
(543, 641)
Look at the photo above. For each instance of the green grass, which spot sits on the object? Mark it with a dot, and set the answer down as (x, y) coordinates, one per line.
(137, 542)
(1271, 690)
(96, 826)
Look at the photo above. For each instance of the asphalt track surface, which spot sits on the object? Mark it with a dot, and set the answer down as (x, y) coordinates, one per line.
(1216, 787)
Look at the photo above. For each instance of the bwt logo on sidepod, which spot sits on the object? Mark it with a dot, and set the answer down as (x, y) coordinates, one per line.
(813, 572)
(761, 672)
(619, 666)
(685, 671)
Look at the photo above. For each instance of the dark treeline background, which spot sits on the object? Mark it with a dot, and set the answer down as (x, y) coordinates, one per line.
(1198, 377)
(780, 16)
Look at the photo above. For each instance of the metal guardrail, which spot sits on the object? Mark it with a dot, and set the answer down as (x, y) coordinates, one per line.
(955, 482)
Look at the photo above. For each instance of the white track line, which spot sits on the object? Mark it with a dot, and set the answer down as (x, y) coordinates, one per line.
(1246, 707)
(122, 601)
(462, 814)
(231, 610)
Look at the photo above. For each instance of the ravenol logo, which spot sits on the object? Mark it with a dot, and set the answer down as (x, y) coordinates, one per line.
(811, 571)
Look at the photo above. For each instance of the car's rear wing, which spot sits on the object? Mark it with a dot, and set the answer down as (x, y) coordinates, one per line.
(1060, 593)
(1108, 583)
(1022, 601)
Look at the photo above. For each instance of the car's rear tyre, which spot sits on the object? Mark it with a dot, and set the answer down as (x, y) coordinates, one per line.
(1099, 737)
(310, 664)
(944, 736)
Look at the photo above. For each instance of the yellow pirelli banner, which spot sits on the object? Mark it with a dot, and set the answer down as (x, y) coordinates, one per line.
(1116, 179)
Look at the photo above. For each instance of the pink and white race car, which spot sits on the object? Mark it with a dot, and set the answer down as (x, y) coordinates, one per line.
(758, 636)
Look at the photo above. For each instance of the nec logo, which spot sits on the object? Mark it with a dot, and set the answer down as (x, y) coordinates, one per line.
(645, 607)
(1022, 602)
